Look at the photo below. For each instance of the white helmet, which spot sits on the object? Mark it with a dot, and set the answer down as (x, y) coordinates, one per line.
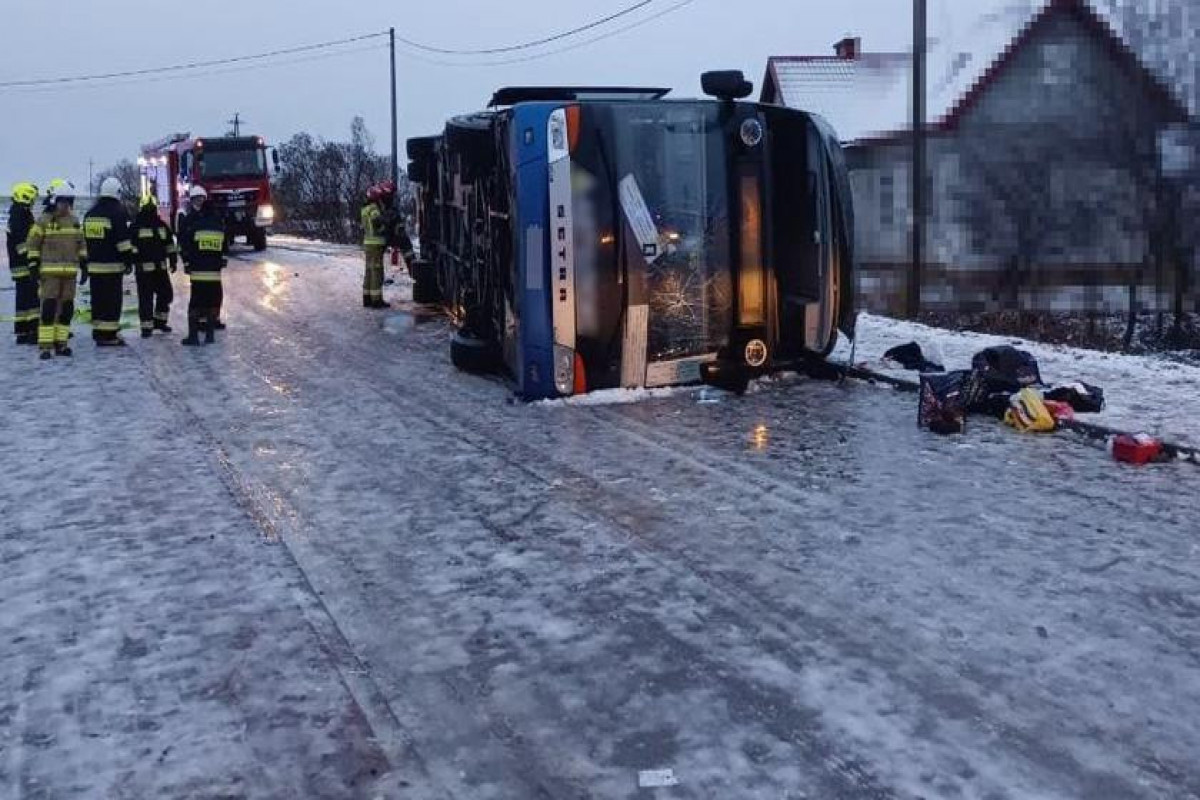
(64, 191)
(110, 187)
(197, 191)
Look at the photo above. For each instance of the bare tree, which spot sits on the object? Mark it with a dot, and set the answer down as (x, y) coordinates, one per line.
(322, 185)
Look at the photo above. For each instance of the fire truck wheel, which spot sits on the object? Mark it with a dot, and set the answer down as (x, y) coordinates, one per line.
(258, 239)
(472, 355)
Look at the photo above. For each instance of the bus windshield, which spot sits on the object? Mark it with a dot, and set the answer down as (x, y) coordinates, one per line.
(650, 191)
(232, 163)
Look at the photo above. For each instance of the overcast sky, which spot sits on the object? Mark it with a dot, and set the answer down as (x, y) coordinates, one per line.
(51, 133)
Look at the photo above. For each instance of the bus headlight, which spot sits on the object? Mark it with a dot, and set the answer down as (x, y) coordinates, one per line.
(751, 132)
(265, 214)
(564, 370)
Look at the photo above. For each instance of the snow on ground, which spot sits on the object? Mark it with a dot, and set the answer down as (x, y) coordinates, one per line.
(315, 561)
(1143, 393)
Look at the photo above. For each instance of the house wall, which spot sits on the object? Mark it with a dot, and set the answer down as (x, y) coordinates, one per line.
(1042, 197)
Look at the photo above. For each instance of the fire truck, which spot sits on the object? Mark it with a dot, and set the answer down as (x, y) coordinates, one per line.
(233, 169)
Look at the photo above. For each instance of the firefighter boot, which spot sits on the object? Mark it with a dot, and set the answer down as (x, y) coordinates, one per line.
(210, 330)
(192, 339)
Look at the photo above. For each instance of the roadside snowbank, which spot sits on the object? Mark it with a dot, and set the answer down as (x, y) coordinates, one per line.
(1143, 393)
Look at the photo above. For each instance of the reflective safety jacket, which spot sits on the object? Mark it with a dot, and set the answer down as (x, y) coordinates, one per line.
(57, 244)
(374, 226)
(20, 222)
(106, 228)
(152, 239)
(202, 244)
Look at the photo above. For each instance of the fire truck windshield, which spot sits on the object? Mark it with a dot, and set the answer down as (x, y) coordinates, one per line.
(232, 163)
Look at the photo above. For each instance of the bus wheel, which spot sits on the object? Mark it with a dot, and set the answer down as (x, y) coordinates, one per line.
(258, 239)
(425, 288)
(473, 355)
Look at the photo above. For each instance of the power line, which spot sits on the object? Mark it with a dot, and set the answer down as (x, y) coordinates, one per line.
(547, 53)
(192, 65)
(152, 78)
(596, 23)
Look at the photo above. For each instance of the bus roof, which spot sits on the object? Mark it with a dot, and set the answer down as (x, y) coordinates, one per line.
(511, 95)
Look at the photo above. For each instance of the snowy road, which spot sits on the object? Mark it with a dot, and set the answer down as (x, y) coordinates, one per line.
(314, 561)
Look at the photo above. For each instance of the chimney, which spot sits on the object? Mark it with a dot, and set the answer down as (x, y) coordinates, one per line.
(849, 47)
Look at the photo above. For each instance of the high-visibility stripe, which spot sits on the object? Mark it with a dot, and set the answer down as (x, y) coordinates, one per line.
(34, 254)
(20, 273)
(146, 233)
(106, 269)
(147, 324)
(45, 335)
(105, 327)
(59, 269)
(62, 333)
(160, 316)
(149, 266)
(209, 241)
(125, 246)
(22, 248)
(205, 276)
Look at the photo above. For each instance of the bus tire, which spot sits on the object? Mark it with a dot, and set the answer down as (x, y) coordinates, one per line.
(258, 239)
(425, 287)
(472, 355)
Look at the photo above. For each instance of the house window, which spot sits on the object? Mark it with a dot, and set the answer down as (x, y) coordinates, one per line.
(887, 200)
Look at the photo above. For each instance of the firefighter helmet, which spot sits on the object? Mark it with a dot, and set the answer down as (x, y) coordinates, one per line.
(197, 191)
(374, 193)
(65, 190)
(110, 187)
(387, 188)
(24, 193)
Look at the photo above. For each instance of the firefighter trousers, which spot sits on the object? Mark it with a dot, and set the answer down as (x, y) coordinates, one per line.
(205, 303)
(373, 275)
(155, 294)
(25, 312)
(58, 306)
(107, 291)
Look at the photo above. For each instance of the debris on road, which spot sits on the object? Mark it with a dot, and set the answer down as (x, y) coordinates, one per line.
(911, 357)
(656, 778)
(1137, 449)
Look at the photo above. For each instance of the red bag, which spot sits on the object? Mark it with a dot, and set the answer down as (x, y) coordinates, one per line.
(1061, 411)
(1140, 449)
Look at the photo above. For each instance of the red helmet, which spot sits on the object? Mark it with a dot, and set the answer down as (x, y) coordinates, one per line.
(388, 188)
(374, 193)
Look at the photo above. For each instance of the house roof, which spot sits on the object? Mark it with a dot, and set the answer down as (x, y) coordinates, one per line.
(870, 98)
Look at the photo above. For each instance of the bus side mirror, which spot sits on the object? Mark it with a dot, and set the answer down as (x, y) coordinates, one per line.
(729, 84)
(275, 159)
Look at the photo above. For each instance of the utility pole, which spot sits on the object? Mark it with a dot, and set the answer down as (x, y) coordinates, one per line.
(395, 142)
(236, 122)
(91, 179)
(917, 178)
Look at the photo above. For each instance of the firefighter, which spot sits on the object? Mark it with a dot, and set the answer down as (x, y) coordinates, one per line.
(110, 259)
(25, 279)
(202, 245)
(155, 244)
(374, 225)
(57, 251)
(397, 233)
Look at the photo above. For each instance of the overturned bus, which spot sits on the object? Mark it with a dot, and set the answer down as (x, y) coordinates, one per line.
(590, 238)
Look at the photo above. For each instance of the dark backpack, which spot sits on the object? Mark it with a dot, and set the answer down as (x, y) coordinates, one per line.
(1000, 372)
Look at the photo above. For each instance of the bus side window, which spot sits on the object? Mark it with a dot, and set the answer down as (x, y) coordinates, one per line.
(185, 165)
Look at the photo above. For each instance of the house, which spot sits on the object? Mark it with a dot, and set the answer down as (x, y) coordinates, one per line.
(1044, 173)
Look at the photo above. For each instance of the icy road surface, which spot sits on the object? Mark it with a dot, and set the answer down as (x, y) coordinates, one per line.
(313, 561)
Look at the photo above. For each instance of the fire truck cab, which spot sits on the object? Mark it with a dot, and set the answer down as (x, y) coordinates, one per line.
(233, 169)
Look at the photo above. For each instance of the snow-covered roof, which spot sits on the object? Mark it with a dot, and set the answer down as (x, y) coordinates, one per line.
(861, 98)
(870, 97)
